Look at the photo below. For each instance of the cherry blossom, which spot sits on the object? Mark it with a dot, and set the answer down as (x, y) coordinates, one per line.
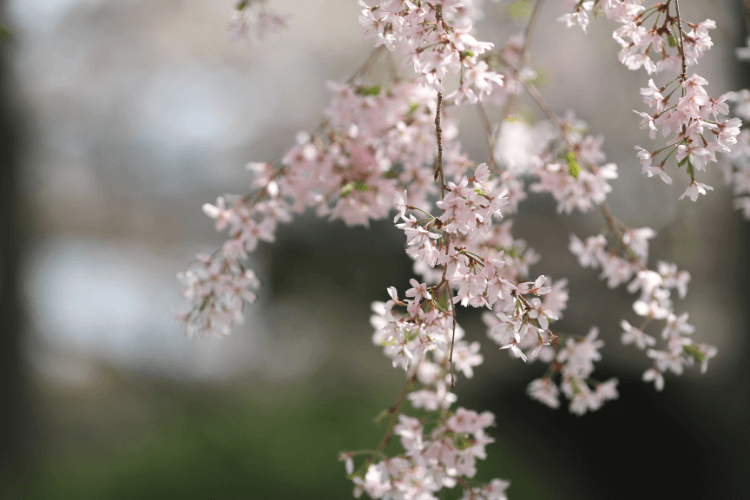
(391, 145)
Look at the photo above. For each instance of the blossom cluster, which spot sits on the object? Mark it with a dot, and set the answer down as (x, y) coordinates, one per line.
(735, 164)
(437, 455)
(218, 289)
(373, 142)
(694, 116)
(254, 19)
(427, 342)
(561, 150)
(394, 144)
(436, 36)
(667, 45)
(653, 304)
(573, 364)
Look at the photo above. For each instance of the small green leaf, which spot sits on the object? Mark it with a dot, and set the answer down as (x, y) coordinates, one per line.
(467, 53)
(462, 441)
(354, 186)
(672, 40)
(391, 174)
(682, 162)
(361, 186)
(574, 169)
(576, 388)
(443, 297)
(383, 414)
(347, 189)
(690, 170)
(696, 353)
(242, 4)
(205, 302)
(413, 107)
(374, 90)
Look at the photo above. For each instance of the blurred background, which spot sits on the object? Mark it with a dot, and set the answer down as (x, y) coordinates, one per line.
(120, 118)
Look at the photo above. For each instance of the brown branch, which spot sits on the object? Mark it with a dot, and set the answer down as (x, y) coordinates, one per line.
(682, 43)
(439, 174)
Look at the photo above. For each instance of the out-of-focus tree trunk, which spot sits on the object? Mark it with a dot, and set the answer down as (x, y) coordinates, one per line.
(13, 414)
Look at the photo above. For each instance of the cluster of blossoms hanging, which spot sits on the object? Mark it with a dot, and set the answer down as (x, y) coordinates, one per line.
(735, 164)
(692, 119)
(253, 18)
(437, 39)
(394, 145)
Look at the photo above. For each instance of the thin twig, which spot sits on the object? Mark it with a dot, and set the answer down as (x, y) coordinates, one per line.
(392, 421)
(440, 177)
(531, 25)
(439, 174)
(606, 212)
(524, 54)
(367, 63)
(682, 43)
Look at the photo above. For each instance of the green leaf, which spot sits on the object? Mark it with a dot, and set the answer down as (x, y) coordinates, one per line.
(690, 170)
(442, 297)
(354, 186)
(383, 414)
(696, 353)
(672, 40)
(361, 186)
(576, 388)
(374, 90)
(347, 189)
(462, 441)
(574, 169)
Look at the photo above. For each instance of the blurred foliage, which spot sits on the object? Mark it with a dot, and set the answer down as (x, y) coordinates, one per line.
(203, 443)
(5, 33)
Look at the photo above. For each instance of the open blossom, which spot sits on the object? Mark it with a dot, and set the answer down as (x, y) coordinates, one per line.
(545, 391)
(652, 374)
(636, 336)
(694, 189)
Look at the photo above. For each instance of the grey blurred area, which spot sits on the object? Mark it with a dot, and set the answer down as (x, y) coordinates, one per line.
(120, 118)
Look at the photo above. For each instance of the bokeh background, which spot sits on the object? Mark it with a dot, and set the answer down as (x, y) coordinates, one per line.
(119, 118)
